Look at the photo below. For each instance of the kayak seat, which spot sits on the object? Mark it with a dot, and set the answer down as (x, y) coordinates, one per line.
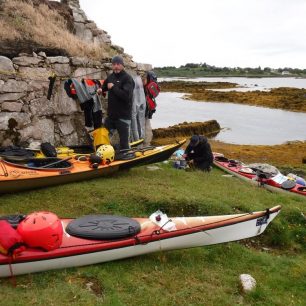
(103, 227)
(303, 189)
(44, 162)
(221, 159)
(289, 184)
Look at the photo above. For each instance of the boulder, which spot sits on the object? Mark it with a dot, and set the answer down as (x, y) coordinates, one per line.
(247, 282)
(91, 25)
(41, 130)
(91, 73)
(13, 120)
(63, 104)
(6, 65)
(11, 106)
(42, 107)
(71, 139)
(62, 70)
(11, 96)
(58, 60)
(13, 86)
(79, 61)
(118, 49)
(36, 74)
(42, 54)
(38, 86)
(79, 16)
(27, 61)
(66, 127)
(82, 32)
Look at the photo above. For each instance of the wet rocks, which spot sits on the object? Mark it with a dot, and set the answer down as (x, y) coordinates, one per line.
(188, 129)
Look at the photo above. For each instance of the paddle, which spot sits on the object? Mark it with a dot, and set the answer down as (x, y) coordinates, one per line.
(137, 149)
(56, 162)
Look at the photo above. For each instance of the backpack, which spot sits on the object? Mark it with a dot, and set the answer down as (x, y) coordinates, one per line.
(152, 90)
(70, 89)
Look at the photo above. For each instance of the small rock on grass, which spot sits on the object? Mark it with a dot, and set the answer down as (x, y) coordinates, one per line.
(247, 282)
(153, 168)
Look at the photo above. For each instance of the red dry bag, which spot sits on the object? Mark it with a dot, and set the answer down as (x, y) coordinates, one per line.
(11, 242)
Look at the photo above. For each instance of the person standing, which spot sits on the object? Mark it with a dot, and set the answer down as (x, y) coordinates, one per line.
(198, 153)
(120, 86)
(151, 91)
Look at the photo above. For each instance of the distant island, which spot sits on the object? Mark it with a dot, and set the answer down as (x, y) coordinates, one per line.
(191, 70)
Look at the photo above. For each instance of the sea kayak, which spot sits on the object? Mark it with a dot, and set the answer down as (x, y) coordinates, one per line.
(80, 246)
(17, 177)
(276, 182)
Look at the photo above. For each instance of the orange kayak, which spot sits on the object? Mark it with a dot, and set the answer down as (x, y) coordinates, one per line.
(17, 177)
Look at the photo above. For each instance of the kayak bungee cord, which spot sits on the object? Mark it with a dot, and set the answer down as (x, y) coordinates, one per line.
(157, 232)
(5, 173)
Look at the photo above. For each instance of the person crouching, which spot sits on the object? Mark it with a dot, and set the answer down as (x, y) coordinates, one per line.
(198, 153)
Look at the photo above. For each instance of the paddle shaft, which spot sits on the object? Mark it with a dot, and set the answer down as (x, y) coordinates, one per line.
(57, 162)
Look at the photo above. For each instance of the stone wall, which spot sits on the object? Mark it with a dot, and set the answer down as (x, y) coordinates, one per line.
(25, 113)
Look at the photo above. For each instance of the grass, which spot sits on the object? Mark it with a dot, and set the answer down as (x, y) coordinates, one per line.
(199, 276)
(21, 21)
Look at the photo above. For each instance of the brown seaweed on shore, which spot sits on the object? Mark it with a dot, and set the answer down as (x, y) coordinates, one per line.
(208, 128)
(287, 98)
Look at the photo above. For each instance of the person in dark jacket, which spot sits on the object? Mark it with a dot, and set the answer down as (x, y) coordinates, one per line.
(120, 86)
(199, 153)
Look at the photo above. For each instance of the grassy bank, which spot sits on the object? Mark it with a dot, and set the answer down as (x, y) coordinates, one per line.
(200, 276)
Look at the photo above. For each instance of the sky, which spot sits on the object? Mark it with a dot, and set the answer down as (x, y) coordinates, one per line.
(231, 33)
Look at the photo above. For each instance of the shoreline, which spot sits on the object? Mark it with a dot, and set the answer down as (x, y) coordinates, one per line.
(285, 98)
(289, 154)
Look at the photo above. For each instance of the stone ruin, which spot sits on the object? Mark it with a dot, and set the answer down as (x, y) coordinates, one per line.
(26, 115)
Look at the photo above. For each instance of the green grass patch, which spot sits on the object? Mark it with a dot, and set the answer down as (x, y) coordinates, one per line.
(199, 276)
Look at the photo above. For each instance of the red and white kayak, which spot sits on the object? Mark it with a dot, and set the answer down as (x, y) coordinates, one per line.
(275, 183)
(156, 233)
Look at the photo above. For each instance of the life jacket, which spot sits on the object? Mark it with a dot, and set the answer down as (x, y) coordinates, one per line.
(11, 243)
(70, 89)
(152, 90)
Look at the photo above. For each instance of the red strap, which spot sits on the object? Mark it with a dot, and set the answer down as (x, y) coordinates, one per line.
(13, 279)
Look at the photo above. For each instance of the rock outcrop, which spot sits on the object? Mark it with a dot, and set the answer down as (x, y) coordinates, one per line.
(185, 129)
(26, 115)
